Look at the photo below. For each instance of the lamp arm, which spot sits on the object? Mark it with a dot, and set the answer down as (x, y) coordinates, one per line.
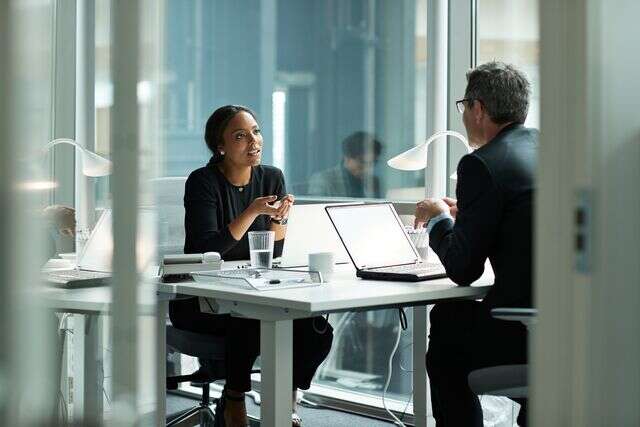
(63, 141)
(453, 133)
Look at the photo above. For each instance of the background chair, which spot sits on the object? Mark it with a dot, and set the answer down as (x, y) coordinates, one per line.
(506, 380)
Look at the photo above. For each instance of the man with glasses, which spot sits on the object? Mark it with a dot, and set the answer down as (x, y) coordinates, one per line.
(491, 219)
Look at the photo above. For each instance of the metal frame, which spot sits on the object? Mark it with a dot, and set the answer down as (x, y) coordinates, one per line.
(461, 57)
(85, 108)
(124, 144)
(63, 94)
(437, 113)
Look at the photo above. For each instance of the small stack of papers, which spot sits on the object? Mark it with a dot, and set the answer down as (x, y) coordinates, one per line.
(260, 279)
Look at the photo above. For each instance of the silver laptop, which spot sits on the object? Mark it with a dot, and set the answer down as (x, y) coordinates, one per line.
(378, 245)
(94, 264)
(309, 230)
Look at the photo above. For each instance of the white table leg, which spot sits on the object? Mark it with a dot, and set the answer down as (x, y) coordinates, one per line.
(420, 390)
(276, 351)
(161, 361)
(88, 369)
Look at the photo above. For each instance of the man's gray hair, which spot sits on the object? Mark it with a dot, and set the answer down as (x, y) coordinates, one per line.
(502, 89)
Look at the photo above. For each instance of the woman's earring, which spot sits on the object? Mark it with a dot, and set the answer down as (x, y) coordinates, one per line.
(222, 153)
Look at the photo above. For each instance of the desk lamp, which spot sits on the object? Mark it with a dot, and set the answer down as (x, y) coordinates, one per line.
(92, 164)
(416, 158)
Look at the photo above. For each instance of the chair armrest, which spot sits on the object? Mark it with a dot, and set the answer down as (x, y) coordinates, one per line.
(527, 316)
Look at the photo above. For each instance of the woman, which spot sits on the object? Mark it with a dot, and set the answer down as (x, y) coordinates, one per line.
(231, 195)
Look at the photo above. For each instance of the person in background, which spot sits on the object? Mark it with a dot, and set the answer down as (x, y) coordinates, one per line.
(353, 177)
(491, 218)
(59, 220)
(231, 195)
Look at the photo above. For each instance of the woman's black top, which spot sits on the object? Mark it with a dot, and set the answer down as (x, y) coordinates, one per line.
(211, 203)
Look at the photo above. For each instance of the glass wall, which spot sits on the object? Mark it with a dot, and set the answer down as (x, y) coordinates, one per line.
(508, 31)
(339, 87)
(28, 362)
(324, 77)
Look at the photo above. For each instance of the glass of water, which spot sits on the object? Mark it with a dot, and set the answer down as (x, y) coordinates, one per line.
(261, 248)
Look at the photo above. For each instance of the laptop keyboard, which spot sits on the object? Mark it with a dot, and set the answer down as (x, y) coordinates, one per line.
(419, 268)
(64, 276)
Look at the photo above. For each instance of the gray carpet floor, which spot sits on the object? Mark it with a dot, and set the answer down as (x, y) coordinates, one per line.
(311, 417)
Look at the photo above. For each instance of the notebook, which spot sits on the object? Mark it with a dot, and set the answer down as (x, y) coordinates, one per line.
(378, 245)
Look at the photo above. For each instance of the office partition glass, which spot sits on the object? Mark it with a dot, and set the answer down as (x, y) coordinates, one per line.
(28, 359)
(339, 87)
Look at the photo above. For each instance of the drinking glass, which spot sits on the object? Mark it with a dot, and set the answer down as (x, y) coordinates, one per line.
(261, 248)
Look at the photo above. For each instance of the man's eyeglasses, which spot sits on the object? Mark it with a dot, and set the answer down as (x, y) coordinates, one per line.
(460, 105)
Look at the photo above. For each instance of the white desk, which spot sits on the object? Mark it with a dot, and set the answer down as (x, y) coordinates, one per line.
(88, 382)
(277, 308)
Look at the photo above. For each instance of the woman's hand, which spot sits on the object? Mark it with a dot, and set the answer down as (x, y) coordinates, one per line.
(283, 206)
(263, 206)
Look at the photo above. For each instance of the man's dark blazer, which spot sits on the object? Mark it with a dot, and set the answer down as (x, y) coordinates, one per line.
(495, 209)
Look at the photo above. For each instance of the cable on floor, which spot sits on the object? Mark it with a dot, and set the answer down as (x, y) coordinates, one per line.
(390, 372)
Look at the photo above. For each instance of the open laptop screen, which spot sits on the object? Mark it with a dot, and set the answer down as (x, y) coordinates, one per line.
(310, 230)
(98, 252)
(373, 235)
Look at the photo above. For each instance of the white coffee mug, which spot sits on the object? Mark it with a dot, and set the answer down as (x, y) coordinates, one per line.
(322, 262)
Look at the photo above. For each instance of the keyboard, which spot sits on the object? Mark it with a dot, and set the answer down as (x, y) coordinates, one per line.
(410, 268)
(407, 272)
(75, 278)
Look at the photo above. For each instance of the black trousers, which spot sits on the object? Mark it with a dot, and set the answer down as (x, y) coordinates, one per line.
(464, 337)
(312, 340)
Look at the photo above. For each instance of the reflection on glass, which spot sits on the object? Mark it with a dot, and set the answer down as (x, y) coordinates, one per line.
(354, 175)
(315, 72)
(361, 348)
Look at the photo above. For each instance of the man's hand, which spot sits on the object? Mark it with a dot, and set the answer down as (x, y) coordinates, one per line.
(453, 205)
(427, 209)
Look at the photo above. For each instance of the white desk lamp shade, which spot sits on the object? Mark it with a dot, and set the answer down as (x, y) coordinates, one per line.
(92, 164)
(416, 158)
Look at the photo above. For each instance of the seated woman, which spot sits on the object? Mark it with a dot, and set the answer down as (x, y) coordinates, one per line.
(231, 195)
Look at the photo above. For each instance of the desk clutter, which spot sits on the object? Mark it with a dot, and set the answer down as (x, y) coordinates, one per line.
(260, 279)
(178, 267)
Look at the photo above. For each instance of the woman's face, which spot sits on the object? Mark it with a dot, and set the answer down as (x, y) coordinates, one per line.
(242, 141)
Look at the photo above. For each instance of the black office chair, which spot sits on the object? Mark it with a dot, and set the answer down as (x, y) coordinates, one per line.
(210, 350)
(507, 380)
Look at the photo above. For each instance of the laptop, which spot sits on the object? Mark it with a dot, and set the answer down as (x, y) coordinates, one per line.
(94, 264)
(380, 249)
(309, 230)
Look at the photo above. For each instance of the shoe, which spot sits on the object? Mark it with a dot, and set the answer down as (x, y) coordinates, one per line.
(296, 421)
(219, 420)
